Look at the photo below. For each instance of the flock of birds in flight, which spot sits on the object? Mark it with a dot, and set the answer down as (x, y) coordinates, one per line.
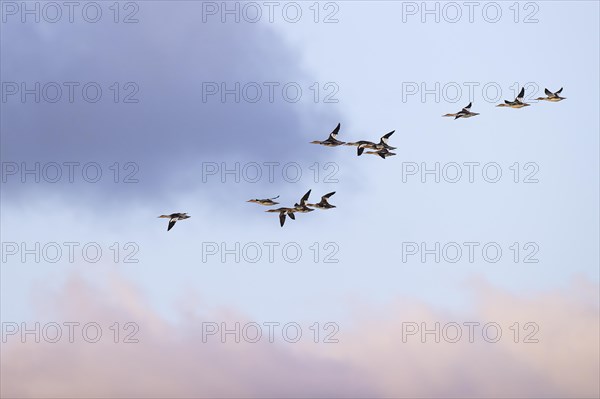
(519, 102)
(302, 207)
(382, 149)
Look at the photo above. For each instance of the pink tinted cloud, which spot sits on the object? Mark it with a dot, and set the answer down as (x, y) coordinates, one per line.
(371, 359)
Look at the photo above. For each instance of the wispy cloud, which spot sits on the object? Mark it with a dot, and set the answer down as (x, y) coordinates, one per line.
(370, 359)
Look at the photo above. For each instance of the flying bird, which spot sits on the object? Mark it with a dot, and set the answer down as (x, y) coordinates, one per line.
(332, 140)
(382, 145)
(265, 202)
(361, 145)
(301, 207)
(518, 103)
(323, 204)
(289, 212)
(464, 113)
(384, 153)
(552, 97)
(283, 212)
(174, 217)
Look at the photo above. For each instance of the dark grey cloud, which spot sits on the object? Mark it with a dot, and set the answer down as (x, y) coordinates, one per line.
(168, 55)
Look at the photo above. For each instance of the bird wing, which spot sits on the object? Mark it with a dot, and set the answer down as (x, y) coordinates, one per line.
(548, 93)
(282, 218)
(171, 224)
(359, 150)
(385, 138)
(335, 131)
(325, 197)
(328, 195)
(521, 95)
(468, 106)
(305, 198)
(558, 92)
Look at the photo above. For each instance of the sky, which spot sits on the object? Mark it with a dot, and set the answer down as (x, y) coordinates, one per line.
(115, 113)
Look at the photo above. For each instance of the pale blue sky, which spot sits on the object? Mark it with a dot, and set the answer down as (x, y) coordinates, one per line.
(368, 54)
